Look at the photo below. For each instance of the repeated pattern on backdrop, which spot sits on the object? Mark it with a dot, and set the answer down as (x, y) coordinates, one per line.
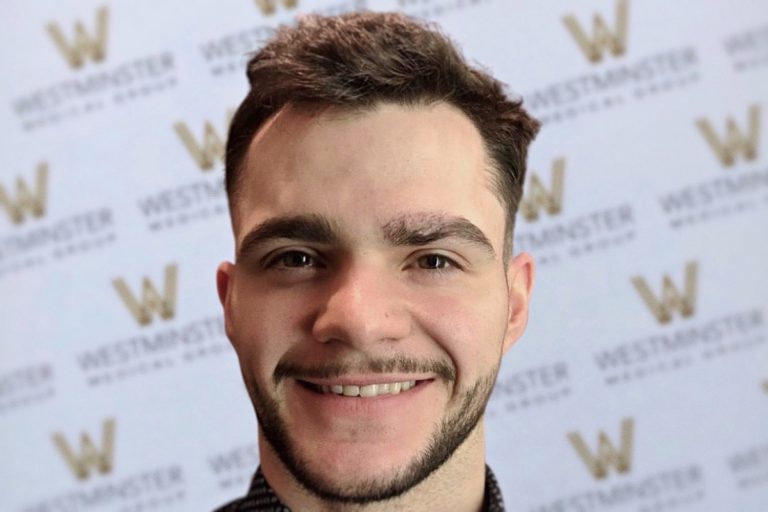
(642, 383)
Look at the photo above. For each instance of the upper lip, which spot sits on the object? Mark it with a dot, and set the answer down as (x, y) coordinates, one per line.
(365, 380)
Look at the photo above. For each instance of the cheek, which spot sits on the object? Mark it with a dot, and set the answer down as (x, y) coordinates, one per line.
(263, 325)
(469, 326)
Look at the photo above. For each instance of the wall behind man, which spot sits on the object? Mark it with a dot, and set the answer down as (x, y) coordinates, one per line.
(642, 382)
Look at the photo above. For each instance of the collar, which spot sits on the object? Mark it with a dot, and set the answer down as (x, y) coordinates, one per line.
(261, 497)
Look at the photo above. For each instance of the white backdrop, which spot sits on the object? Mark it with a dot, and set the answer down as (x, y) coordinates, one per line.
(651, 198)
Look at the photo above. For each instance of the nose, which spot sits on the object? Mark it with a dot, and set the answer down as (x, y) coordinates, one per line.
(362, 305)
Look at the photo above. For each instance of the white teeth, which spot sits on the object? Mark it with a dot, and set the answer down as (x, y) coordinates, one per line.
(351, 390)
(370, 390)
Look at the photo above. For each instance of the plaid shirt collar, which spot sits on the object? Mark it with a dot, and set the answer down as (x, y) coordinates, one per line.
(261, 497)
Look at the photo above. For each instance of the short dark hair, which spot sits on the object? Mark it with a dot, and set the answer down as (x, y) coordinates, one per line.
(357, 60)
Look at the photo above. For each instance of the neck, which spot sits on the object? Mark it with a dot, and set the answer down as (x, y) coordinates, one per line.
(458, 484)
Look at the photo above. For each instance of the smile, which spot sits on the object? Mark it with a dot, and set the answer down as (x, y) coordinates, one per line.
(364, 391)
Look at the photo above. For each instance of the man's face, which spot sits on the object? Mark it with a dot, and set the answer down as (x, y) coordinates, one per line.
(370, 260)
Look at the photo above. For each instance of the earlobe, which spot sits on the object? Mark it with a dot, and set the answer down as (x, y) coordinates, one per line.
(520, 276)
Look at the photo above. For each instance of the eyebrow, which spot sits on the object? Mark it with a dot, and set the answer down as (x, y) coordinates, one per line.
(307, 228)
(415, 229)
(423, 229)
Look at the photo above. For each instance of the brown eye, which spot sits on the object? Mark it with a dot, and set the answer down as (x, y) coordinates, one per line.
(295, 259)
(434, 262)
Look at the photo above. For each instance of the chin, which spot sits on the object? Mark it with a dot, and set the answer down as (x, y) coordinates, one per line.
(348, 462)
(358, 479)
(352, 472)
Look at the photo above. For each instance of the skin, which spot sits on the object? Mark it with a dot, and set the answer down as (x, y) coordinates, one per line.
(400, 274)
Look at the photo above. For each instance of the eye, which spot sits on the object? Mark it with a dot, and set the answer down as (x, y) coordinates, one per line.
(435, 262)
(293, 259)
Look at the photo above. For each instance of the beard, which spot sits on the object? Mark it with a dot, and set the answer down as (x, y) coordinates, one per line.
(449, 434)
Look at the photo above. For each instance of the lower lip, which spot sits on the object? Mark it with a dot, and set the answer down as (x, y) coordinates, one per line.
(333, 404)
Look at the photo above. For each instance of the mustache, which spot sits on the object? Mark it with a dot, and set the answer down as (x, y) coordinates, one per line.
(331, 369)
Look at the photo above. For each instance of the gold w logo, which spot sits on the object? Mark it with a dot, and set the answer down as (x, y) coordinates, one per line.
(538, 197)
(205, 153)
(615, 41)
(151, 301)
(84, 45)
(27, 200)
(734, 142)
(671, 298)
(270, 6)
(607, 455)
(90, 457)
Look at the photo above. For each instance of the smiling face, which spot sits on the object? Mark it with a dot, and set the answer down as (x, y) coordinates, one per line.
(370, 303)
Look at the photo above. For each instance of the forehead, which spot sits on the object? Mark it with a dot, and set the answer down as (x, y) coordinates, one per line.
(356, 165)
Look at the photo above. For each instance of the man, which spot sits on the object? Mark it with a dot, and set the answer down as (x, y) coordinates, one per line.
(373, 180)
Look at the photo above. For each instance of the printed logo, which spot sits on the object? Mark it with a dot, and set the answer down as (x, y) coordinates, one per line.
(32, 202)
(607, 455)
(735, 142)
(270, 6)
(151, 300)
(603, 37)
(209, 150)
(84, 44)
(538, 197)
(671, 298)
(89, 457)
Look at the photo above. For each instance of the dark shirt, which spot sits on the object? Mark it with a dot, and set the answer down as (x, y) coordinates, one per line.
(261, 497)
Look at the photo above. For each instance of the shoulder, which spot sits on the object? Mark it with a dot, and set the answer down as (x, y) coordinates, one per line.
(492, 501)
(260, 498)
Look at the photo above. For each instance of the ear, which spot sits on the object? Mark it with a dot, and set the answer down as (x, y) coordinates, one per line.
(224, 274)
(520, 275)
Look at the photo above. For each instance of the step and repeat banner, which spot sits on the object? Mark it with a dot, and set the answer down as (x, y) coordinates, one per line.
(642, 381)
